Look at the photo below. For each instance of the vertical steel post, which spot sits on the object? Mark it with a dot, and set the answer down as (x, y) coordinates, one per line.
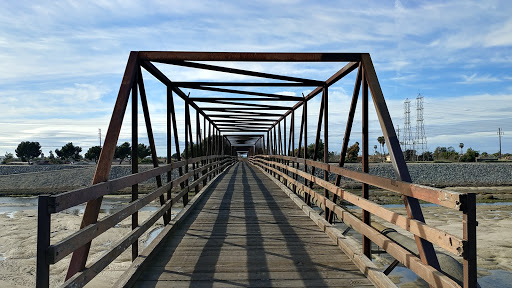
(175, 130)
(305, 113)
(43, 242)
(204, 149)
(469, 236)
(210, 148)
(326, 147)
(284, 138)
(348, 130)
(167, 216)
(135, 163)
(196, 176)
(365, 188)
(187, 123)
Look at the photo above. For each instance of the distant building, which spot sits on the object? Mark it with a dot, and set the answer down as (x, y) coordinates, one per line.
(486, 158)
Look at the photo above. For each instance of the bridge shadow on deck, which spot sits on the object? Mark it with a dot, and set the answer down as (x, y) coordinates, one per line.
(246, 232)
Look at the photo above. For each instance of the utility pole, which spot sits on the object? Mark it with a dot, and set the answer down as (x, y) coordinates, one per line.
(499, 137)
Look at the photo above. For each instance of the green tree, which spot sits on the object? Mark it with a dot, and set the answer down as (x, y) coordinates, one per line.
(443, 153)
(93, 153)
(352, 153)
(27, 150)
(426, 156)
(190, 148)
(410, 155)
(143, 151)
(319, 153)
(122, 152)
(382, 142)
(469, 156)
(69, 151)
(8, 158)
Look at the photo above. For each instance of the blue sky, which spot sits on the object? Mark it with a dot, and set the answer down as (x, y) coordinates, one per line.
(62, 61)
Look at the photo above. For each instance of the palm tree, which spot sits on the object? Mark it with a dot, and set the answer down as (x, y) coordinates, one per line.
(382, 141)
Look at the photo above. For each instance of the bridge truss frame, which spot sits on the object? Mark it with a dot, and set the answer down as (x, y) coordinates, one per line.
(253, 128)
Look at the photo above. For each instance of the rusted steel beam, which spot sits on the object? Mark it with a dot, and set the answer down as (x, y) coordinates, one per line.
(244, 84)
(469, 224)
(243, 109)
(277, 98)
(170, 100)
(92, 208)
(259, 118)
(246, 126)
(43, 242)
(284, 137)
(241, 92)
(245, 112)
(366, 167)
(187, 143)
(151, 140)
(425, 248)
(279, 139)
(198, 146)
(135, 163)
(168, 138)
(305, 113)
(240, 104)
(317, 137)
(242, 130)
(245, 121)
(291, 140)
(242, 72)
(348, 130)
(166, 56)
(326, 144)
(333, 79)
(148, 66)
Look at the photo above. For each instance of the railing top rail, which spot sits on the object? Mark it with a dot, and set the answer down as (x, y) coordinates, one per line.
(58, 203)
(445, 198)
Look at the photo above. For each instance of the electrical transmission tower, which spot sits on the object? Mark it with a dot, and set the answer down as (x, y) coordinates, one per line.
(421, 139)
(407, 141)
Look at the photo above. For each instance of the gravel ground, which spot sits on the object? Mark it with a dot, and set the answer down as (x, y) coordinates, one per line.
(448, 174)
(23, 180)
(58, 178)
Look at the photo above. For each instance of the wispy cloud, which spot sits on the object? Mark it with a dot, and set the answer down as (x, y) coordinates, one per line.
(477, 79)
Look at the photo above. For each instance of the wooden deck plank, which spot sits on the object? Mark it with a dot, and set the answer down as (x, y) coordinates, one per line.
(245, 232)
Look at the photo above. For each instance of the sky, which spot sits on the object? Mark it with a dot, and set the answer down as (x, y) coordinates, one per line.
(63, 61)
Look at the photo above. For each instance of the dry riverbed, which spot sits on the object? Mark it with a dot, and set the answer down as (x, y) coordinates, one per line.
(18, 247)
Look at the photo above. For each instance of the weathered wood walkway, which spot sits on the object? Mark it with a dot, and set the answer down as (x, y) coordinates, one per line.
(246, 231)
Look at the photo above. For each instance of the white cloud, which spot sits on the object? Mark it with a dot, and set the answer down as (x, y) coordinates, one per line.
(476, 79)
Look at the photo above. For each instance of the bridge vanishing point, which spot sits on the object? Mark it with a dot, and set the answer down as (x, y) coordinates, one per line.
(266, 219)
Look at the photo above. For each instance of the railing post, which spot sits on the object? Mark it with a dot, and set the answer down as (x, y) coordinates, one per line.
(469, 236)
(365, 192)
(326, 148)
(135, 163)
(43, 242)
